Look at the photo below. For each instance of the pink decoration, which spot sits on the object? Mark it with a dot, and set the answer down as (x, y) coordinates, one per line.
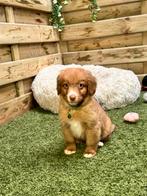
(131, 117)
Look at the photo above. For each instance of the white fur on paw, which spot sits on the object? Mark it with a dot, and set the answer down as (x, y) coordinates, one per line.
(89, 155)
(69, 152)
(100, 144)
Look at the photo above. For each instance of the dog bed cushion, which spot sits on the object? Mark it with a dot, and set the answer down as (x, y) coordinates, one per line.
(116, 88)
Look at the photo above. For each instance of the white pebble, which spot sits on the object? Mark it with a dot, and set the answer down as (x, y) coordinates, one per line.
(131, 117)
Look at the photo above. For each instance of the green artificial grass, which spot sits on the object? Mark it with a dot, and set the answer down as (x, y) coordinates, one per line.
(32, 161)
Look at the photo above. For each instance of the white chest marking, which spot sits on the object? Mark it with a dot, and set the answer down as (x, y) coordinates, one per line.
(76, 129)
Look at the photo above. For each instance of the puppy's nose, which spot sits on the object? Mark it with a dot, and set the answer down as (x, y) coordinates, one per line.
(72, 97)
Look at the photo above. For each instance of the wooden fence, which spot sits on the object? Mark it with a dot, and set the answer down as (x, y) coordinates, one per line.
(28, 43)
(118, 38)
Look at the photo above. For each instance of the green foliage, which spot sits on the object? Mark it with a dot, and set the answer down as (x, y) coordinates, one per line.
(94, 8)
(57, 18)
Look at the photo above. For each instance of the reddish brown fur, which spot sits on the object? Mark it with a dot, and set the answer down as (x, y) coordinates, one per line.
(94, 123)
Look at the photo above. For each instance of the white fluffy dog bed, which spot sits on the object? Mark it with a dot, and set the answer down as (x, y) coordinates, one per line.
(116, 88)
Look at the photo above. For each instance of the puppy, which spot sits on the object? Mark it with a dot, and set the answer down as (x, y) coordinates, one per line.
(82, 118)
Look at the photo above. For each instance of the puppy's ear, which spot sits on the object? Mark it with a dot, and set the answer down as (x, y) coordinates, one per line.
(91, 84)
(59, 84)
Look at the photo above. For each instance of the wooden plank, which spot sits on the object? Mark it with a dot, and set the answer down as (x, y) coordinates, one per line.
(80, 4)
(126, 25)
(2, 14)
(145, 42)
(21, 69)
(31, 17)
(114, 11)
(16, 107)
(59, 47)
(107, 56)
(5, 53)
(137, 68)
(27, 84)
(7, 92)
(106, 42)
(140, 77)
(144, 36)
(42, 5)
(20, 33)
(58, 44)
(9, 14)
(64, 47)
(14, 48)
(35, 50)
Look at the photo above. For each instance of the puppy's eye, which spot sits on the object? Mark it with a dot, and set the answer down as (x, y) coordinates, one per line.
(81, 86)
(65, 85)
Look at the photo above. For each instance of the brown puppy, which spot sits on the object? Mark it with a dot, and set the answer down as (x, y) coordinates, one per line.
(82, 118)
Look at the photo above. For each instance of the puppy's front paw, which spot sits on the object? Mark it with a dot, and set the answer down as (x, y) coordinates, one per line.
(89, 155)
(89, 152)
(69, 152)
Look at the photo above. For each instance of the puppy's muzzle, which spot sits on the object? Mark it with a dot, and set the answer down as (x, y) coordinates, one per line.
(72, 97)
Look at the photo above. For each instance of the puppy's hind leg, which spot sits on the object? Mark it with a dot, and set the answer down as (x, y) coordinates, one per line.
(108, 133)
